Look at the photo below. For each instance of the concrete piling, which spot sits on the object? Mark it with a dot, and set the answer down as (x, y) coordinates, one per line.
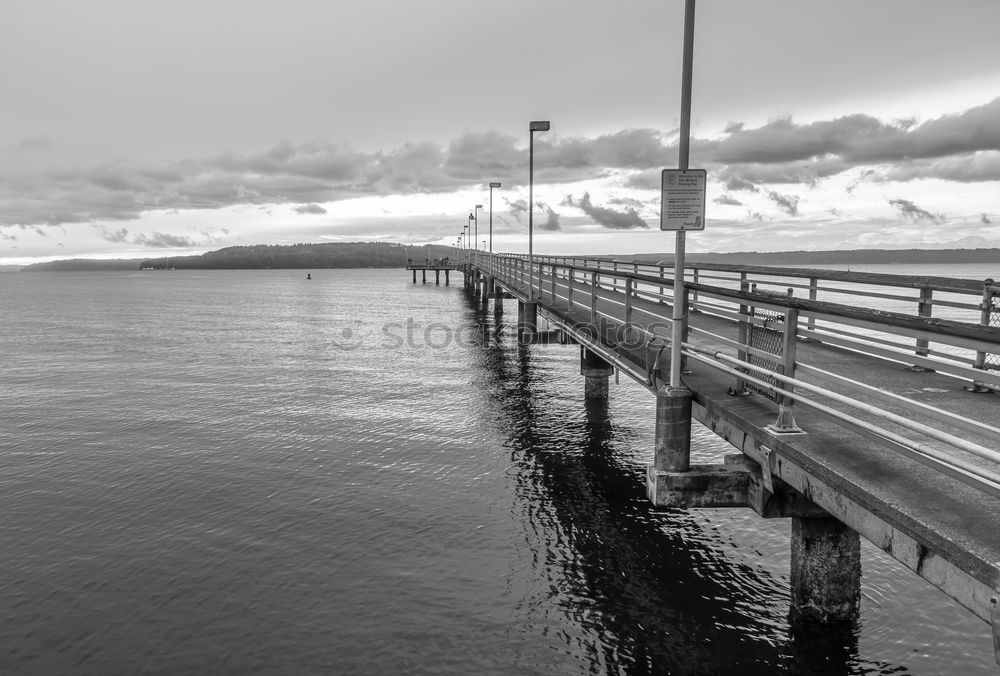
(527, 319)
(596, 371)
(673, 430)
(825, 569)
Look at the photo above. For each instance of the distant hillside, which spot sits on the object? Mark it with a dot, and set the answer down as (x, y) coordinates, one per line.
(259, 257)
(83, 265)
(301, 256)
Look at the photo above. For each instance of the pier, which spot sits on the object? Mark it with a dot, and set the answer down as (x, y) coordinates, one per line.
(856, 404)
(437, 265)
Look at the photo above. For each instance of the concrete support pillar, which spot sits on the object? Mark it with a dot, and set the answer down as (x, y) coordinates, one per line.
(825, 570)
(498, 305)
(424, 273)
(673, 430)
(491, 285)
(596, 371)
(437, 277)
(446, 280)
(414, 276)
(527, 318)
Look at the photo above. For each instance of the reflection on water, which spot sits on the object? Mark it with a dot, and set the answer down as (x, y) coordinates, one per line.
(649, 597)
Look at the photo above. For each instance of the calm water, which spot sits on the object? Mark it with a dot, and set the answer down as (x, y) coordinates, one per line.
(245, 472)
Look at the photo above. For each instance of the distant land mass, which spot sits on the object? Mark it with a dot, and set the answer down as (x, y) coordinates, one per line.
(392, 255)
(262, 257)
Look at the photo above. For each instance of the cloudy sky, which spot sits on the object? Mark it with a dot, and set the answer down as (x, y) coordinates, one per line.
(133, 128)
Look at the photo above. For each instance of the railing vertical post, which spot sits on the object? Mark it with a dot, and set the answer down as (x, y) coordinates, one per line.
(593, 299)
(553, 284)
(629, 286)
(813, 291)
(786, 420)
(743, 338)
(571, 274)
(662, 286)
(925, 308)
(694, 293)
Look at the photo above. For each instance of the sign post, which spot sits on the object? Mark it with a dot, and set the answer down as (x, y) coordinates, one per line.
(679, 317)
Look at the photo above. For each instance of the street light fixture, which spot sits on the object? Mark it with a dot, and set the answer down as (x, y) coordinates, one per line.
(476, 218)
(493, 184)
(533, 126)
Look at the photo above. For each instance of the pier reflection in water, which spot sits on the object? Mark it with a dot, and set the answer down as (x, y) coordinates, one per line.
(652, 591)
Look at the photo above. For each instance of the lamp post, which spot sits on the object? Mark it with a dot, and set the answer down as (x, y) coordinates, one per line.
(476, 219)
(493, 184)
(533, 126)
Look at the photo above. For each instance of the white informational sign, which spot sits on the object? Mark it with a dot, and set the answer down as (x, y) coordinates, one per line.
(682, 202)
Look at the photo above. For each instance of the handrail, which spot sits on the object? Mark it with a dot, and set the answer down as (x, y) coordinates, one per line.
(629, 296)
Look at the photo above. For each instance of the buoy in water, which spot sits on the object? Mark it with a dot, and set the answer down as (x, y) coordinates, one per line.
(309, 275)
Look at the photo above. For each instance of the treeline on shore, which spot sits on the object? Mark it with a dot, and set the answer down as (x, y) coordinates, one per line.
(261, 257)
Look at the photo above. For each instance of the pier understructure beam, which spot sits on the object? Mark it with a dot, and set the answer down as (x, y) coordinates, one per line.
(825, 554)
(596, 371)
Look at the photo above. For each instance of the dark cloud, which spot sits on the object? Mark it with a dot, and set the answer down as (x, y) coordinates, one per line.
(726, 199)
(517, 208)
(485, 157)
(162, 240)
(626, 202)
(787, 203)
(311, 208)
(738, 183)
(984, 219)
(971, 168)
(651, 179)
(733, 128)
(859, 138)
(609, 218)
(807, 171)
(914, 214)
(116, 236)
(551, 217)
